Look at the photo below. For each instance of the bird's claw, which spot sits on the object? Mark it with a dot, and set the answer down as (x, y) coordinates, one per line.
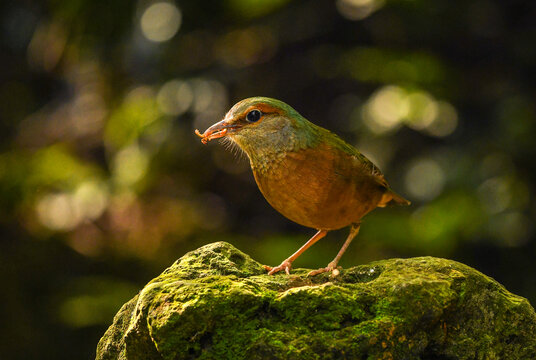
(285, 265)
(331, 267)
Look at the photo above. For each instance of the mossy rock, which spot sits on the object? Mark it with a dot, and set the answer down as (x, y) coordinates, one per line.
(218, 303)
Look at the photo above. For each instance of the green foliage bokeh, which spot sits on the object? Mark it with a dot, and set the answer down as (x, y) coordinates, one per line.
(103, 183)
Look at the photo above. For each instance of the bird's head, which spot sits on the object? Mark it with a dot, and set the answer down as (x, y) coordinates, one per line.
(260, 124)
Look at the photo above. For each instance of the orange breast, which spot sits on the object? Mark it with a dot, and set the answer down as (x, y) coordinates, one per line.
(322, 188)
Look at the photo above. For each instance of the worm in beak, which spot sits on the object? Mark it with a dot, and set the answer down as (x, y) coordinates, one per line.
(216, 131)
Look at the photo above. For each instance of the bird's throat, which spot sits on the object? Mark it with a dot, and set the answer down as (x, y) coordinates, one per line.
(269, 147)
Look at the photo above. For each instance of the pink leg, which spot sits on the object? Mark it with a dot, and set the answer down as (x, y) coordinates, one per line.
(332, 266)
(287, 264)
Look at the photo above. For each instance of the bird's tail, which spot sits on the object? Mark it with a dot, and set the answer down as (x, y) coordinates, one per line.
(390, 198)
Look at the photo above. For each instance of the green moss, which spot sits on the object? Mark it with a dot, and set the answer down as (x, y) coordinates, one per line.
(218, 303)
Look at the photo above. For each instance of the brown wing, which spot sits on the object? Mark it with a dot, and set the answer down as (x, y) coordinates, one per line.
(389, 197)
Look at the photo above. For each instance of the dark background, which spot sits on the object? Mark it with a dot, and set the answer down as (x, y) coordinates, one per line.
(103, 183)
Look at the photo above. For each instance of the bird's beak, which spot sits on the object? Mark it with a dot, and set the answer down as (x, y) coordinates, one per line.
(218, 130)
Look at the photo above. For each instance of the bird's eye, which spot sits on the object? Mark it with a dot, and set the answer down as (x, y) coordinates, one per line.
(253, 116)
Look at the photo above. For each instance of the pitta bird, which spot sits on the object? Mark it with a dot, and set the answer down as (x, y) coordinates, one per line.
(304, 171)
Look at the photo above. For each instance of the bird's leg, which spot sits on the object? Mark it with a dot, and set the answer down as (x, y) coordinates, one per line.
(287, 263)
(332, 266)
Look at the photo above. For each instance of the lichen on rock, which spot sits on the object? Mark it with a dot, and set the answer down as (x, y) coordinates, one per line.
(218, 303)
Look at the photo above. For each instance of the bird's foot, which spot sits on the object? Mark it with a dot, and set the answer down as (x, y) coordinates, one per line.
(331, 267)
(285, 265)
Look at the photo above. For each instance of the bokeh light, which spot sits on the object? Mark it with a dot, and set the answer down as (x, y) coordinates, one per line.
(47, 46)
(424, 179)
(58, 212)
(210, 102)
(65, 211)
(175, 97)
(445, 120)
(130, 165)
(358, 9)
(496, 195)
(160, 21)
(511, 229)
(423, 110)
(386, 109)
(138, 112)
(392, 106)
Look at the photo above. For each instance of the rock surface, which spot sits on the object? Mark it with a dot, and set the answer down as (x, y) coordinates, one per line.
(218, 303)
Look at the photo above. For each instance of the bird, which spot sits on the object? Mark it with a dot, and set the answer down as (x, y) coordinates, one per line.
(306, 172)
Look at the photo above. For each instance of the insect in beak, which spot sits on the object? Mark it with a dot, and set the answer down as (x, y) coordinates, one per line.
(218, 130)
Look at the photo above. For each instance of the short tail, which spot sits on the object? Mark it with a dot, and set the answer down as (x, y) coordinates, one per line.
(390, 198)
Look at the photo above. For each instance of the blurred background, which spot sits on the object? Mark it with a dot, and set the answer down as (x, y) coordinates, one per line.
(103, 183)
